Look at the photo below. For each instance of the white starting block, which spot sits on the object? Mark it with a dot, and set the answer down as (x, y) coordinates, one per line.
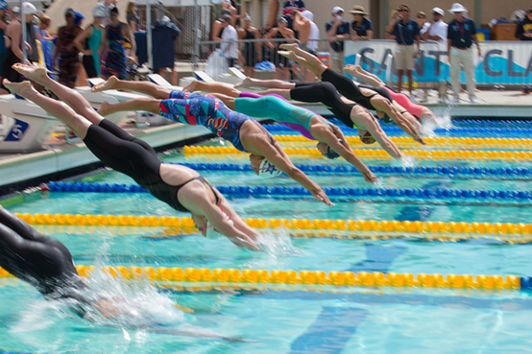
(25, 126)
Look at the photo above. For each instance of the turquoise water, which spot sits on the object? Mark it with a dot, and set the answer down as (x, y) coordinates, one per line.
(366, 321)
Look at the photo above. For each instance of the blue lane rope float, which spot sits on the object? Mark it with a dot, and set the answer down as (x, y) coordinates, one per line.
(468, 172)
(274, 128)
(263, 191)
(492, 123)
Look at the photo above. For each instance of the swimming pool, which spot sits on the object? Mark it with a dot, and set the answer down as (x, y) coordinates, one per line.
(367, 319)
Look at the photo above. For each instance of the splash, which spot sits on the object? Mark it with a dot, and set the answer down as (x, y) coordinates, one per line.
(278, 244)
(407, 161)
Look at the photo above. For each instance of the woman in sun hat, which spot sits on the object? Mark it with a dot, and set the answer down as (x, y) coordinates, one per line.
(361, 26)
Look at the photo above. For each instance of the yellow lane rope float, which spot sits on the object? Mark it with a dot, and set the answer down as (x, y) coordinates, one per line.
(443, 231)
(456, 143)
(381, 154)
(304, 277)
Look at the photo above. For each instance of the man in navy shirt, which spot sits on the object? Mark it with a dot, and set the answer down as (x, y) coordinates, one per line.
(406, 31)
(524, 28)
(337, 33)
(361, 26)
(461, 33)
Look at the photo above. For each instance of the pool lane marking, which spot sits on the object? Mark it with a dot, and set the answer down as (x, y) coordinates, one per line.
(330, 332)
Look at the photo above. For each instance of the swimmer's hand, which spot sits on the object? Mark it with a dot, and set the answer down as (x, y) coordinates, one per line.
(245, 242)
(322, 197)
(370, 177)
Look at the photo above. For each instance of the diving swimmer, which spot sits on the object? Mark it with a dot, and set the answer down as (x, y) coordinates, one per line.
(180, 187)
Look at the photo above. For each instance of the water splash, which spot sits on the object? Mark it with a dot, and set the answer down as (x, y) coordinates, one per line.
(276, 244)
(408, 161)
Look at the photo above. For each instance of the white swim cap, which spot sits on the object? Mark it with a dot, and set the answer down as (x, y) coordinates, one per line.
(212, 232)
(268, 169)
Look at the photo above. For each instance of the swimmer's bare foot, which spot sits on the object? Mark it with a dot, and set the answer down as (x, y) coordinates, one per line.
(108, 84)
(244, 83)
(289, 55)
(289, 46)
(191, 87)
(104, 109)
(34, 73)
(23, 88)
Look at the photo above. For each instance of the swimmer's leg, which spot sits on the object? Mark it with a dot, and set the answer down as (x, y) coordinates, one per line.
(227, 90)
(151, 105)
(229, 101)
(251, 82)
(285, 93)
(367, 77)
(146, 87)
(58, 109)
(309, 61)
(70, 96)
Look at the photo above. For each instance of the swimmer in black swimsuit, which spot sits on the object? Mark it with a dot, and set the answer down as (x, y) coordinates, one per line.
(367, 98)
(180, 187)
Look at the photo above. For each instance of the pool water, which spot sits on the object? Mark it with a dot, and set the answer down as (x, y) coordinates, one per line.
(366, 320)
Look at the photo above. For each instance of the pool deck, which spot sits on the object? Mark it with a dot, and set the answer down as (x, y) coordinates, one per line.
(15, 168)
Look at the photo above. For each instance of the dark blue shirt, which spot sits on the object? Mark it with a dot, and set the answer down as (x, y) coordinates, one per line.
(338, 46)
(460, 33)
(363, 28)
(288, 7)
(405, 33)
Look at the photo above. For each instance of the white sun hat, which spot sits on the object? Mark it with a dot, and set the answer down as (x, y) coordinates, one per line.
(457, 8)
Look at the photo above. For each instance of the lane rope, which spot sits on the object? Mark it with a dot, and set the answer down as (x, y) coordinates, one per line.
(381, 154)
(305, 277)
(442, 231)
(265, 191)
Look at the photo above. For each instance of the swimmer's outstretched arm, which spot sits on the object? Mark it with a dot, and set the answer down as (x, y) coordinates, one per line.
(276, 155)
(331, 137)
(367, 77)
(382, 104)
(146, 87)
(198, 202)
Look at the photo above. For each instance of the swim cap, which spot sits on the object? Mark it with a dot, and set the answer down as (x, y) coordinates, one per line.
(268, 169)
(387, 119)
(212, 232)
(331, 154)
(367, 138)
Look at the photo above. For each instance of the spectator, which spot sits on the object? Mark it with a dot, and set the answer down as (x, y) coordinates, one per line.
(251, 52)
(309, 35)
(66, 51)
(406, 31)
(337, 33)
(461, 33)
(437, 31)
(273, 10)
(228, 6)
(107, 5)
(282, 31)
(164, 34)
(217, 28)
(524, 28)
(42, 35)
(421, 19)
(88, 42)
(113, 41)
(13, 43)
(132, 17)
(229, 44)
(3, 26)
(361, 26)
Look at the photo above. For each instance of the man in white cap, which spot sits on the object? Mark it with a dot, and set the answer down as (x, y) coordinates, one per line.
(337, 33)
(437, 31)
(461, 34)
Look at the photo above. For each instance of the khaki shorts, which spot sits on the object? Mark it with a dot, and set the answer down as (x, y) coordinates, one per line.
(404, 57)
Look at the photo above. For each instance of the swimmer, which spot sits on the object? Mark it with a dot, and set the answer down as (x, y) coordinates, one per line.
(369, 99)
(308, 123)
(180, 187)
(350, 113)
(47, 264)
(418, 111)
(328, 136)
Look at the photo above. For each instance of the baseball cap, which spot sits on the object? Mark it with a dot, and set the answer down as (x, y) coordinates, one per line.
(438, 11)
(225, 18)
(99, 11)
(337, 9)
(71, 12)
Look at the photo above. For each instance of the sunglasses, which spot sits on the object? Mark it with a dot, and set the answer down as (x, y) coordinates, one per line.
(403, 10)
